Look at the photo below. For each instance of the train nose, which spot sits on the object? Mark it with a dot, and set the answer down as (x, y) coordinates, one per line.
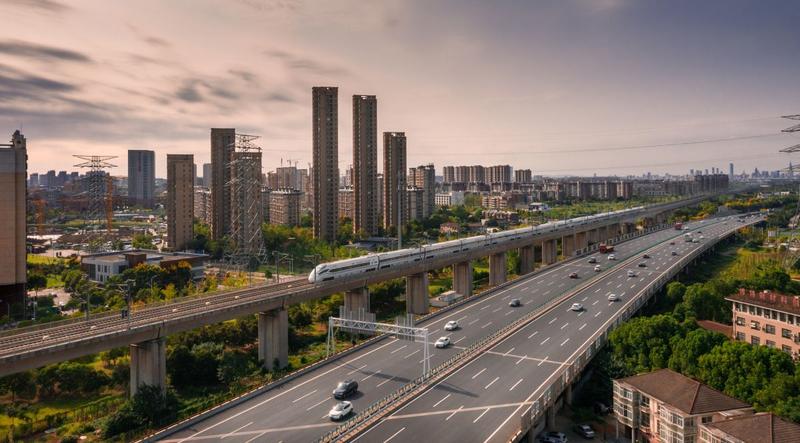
(312, 276)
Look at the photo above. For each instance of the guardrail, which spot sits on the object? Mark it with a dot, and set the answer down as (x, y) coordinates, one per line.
(365, 418)
(566, 374)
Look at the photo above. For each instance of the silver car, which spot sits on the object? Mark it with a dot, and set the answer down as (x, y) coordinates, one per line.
(340, 411)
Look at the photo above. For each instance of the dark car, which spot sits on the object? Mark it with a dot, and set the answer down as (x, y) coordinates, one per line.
(345, 389)
(592, 260)
(674, 253)
(672, 243)
(515, 303)
(573, 275)
(645, 256)
(584, 430)
(642, 265)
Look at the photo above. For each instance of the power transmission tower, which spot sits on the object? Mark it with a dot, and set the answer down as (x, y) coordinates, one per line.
(246, 210)
(97, 186)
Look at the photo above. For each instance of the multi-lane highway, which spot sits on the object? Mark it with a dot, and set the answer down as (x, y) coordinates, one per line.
(482, 400)
(297, 410)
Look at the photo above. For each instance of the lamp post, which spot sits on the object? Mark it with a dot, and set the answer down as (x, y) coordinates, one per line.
(279, 257)
(314, 260)
(151, 284)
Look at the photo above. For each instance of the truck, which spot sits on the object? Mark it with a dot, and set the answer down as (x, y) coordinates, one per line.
(605, 249)
(678, 226)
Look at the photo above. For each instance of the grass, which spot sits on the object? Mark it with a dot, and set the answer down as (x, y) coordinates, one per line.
(34, 259)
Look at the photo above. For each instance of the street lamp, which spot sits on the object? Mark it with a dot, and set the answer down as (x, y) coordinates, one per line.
(279, 257)
(151, 284)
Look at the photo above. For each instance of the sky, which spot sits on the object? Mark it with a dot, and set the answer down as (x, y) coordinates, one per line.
(560, 87)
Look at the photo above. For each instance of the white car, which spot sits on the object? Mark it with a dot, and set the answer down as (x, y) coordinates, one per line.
(442, 342)
(631, 273)
(597, 268)
(612, 257)
(576, 307)
(452, 325)
(614, 297)
(341, 410)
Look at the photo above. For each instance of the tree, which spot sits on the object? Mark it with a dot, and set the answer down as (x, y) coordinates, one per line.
(233, 365)
(143, 241)
(180, 366)
(149, 407)
(20, 384)
(643, 344)
(36, 281)
(687, 351)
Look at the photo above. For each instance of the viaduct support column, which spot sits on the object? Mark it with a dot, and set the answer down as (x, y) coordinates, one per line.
(462, 278)
(568, 245)
(538, 252)
(550, 418)
(526, 262)
(497, 269)
(417, 301)
(603, 231)
(549, 252)
(148, 364)
(356, 299)
(273, 338)
(568, 394)
(581, 240)
(613, 230)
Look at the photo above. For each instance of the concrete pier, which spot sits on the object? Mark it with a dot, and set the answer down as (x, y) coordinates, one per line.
(417, 301)
(273, 338)
(462, 278)
(526, 263)
(148, 364)
(356, 299)
(497, 269)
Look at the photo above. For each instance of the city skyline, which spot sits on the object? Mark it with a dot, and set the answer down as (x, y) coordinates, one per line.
(605, 82)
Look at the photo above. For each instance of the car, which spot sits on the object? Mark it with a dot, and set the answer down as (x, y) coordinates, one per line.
(612, 257)
(699, 232)
(576, 307)
(345, 389)
(442, 342)
(694, 240)
(452, 325)
(702, 237)
(597, 268)
(672, 243)
(573, 275)
(631, 273)
(340, 411)
(557, 436)
(642, 265)
(592, 260)
(646, 256)
(614, 297)
(674, 253)
(584, 430)
(514, 303)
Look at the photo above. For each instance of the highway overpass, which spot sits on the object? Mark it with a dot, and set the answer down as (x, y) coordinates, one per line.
(146, 328)
(296, 410)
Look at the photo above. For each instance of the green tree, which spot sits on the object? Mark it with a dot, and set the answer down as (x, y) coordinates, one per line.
(143, 241)
(643, 344)
(21, 384)
(686, 351)
(233, 365)
(149, 407)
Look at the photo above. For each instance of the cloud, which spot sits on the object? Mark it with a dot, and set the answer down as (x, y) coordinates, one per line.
(189, 93)
(299, 63)
(50, 6)
(273, 5)
(155, 41)
(36, 51)
(16, 84)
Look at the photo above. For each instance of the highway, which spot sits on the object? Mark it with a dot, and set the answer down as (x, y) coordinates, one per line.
(482, 400)
(297, 410)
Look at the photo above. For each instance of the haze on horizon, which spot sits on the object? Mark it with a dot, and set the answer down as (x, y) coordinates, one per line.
(536, 85)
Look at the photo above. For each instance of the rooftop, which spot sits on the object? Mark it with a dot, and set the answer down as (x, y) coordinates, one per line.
(759, 428)
(768, 299)
(684, 393)
(115, 256)
(713, 326)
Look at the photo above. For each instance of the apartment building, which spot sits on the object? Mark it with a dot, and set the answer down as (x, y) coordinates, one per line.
(750, 428)
(665, 406)
(347, 202)
(284, 207)
(767, 318)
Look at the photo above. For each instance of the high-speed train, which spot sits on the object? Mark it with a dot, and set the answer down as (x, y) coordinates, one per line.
(356, 267)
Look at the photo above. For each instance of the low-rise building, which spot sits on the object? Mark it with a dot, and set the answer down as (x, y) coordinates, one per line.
(750, 428)
(100, 267)
(665, 406)
(767, 318)
(452, 198)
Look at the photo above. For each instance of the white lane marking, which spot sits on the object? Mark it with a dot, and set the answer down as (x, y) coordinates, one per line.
(487, 324)
(543, 360)
(498, 309)
(356, 370)
(395, 434)
(386, 381)
(510, 312)
(473, 322)
(515, 385)
(564, 342)
(580, 313)
(370, 375)
(479, 373)
(610, 303)
(482, 414)
(399, 349)
(317, 404)
(553, 320)
(521, 358)
(487, 306)
(582, 326)
(409, 355)
(462, 338)
(508, 352)
(584, 298)
(633, 286)
(619, 285)
(595, 302)
(506, 297)
(454, 413)
(298, 399)
(598, 289)
(545, 341)
(259, 435)
(491, 383)
(440, 401)
(430, 356)
(546, 292)
(598, 313)
(565, 325)
(532, 335)
(236, 430)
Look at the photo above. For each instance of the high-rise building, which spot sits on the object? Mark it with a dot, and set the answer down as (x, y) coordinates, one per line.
(449, 174)
(424, 177)
(379, 202)
(499, 174)
(414, 205)
(365, 163)
(461, 174)
(141, 176)
(730, 171)
(13, 172)
(347, 202)
(325, 139)
(284, 207)
(33, 180)
(180, 200)
(523, 176)
(202, 204)
(207, 175)
(394, 176)
(222, 146)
